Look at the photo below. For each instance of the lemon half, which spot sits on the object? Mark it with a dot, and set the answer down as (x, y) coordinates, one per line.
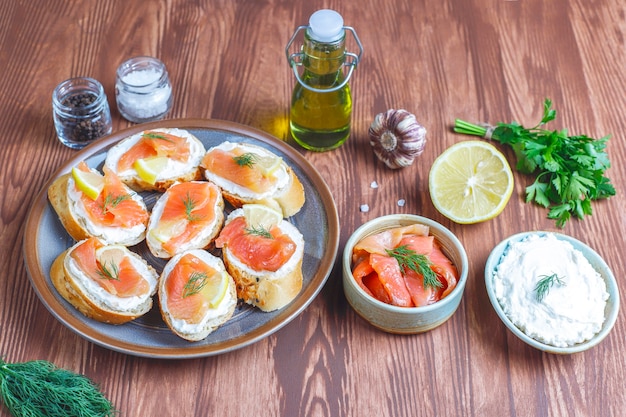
(90, 183)
(470, 182)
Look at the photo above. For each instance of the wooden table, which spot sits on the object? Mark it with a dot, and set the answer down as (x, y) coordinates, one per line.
(474, 59)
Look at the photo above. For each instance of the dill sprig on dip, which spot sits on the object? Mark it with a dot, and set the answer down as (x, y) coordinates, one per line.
(545, 283)
(418, 263)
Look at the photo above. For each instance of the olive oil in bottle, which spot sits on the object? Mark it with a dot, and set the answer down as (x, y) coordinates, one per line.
(321, 103)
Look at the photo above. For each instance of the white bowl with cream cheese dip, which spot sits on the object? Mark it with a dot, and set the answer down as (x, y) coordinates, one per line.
(552, 291)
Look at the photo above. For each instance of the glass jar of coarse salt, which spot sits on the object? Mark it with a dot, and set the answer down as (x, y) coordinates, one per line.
(143, 90)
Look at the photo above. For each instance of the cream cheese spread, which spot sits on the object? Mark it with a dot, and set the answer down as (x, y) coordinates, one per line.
(572, 308)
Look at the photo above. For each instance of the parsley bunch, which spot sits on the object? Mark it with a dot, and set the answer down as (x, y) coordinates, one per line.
(569, 169)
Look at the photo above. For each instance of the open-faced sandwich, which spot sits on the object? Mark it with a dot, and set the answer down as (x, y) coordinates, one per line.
(153, 160)
(189, 215)
(91, 204)
(108, 283)
(263, 253)
(249, 173)
(196, 294)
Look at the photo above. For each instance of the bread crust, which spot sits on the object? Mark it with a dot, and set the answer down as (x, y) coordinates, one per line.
(264, 290)
(267, 290)
(65, 284)
(57, 195)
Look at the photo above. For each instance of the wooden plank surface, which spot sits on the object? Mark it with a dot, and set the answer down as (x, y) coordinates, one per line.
(480, 60)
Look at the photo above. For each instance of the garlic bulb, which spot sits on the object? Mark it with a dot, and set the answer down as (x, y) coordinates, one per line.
(397, 138)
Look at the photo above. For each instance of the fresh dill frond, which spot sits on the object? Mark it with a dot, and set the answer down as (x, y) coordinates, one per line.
(418, 263)
(190, 205)
(247, 159)
(545, 283)
(153, 135)
(111, 201)
(111, 272)
(259, 231)
(195, 283)
(40, 389)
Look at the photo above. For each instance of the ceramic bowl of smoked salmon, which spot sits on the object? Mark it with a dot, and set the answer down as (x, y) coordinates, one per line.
(404, 273)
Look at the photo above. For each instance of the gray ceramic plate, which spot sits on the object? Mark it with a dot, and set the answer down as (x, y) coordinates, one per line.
(45, 238)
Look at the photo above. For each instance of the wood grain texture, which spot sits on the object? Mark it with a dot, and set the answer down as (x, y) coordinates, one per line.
(480, 60)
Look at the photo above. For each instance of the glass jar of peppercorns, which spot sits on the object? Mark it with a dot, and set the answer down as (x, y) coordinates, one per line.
(81, 112)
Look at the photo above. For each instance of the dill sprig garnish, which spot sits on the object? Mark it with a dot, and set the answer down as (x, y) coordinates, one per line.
(40, 389)
(190, 205)
(247, 159)
(545, 283)
(259, 231)
(112, 201)
(153, 135)
(111, 272)
(195, 283)
(416, 262)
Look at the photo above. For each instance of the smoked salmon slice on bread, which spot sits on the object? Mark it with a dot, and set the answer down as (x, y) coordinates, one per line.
(265, 264)
(118, 215)
(189, 215)
(179, 151)
(108, 283)
(249, 173)
(196, 294)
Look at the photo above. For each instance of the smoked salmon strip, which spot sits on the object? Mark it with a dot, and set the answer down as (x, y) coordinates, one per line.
(191, 204)
(115, 206)
(152, 144)
(122, 279)
(380, 274)
(224, 163)
(183, 304)
(259, 252)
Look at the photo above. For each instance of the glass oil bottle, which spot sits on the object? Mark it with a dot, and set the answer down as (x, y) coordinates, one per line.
(321, 103)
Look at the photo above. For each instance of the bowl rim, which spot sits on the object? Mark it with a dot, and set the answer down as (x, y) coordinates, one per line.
(409, 219)
(598, 263)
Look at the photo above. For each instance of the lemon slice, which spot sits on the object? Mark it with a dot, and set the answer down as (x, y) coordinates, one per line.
(470, 182)
(90, 183)
(259, 216)
(111, 256)
(215, 288)
(167, 230)
(268, 164)
(149, 169)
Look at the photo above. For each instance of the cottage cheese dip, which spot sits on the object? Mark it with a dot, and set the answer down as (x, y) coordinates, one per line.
(571, 310)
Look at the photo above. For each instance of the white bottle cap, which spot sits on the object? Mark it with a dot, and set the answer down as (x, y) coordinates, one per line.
(326, 25)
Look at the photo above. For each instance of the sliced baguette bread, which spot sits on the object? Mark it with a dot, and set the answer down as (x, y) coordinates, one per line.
(268, 289)
(188, 215)
(83, 275)
(246, 181)
(181, 148)
(69, 204)
(189, 302)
